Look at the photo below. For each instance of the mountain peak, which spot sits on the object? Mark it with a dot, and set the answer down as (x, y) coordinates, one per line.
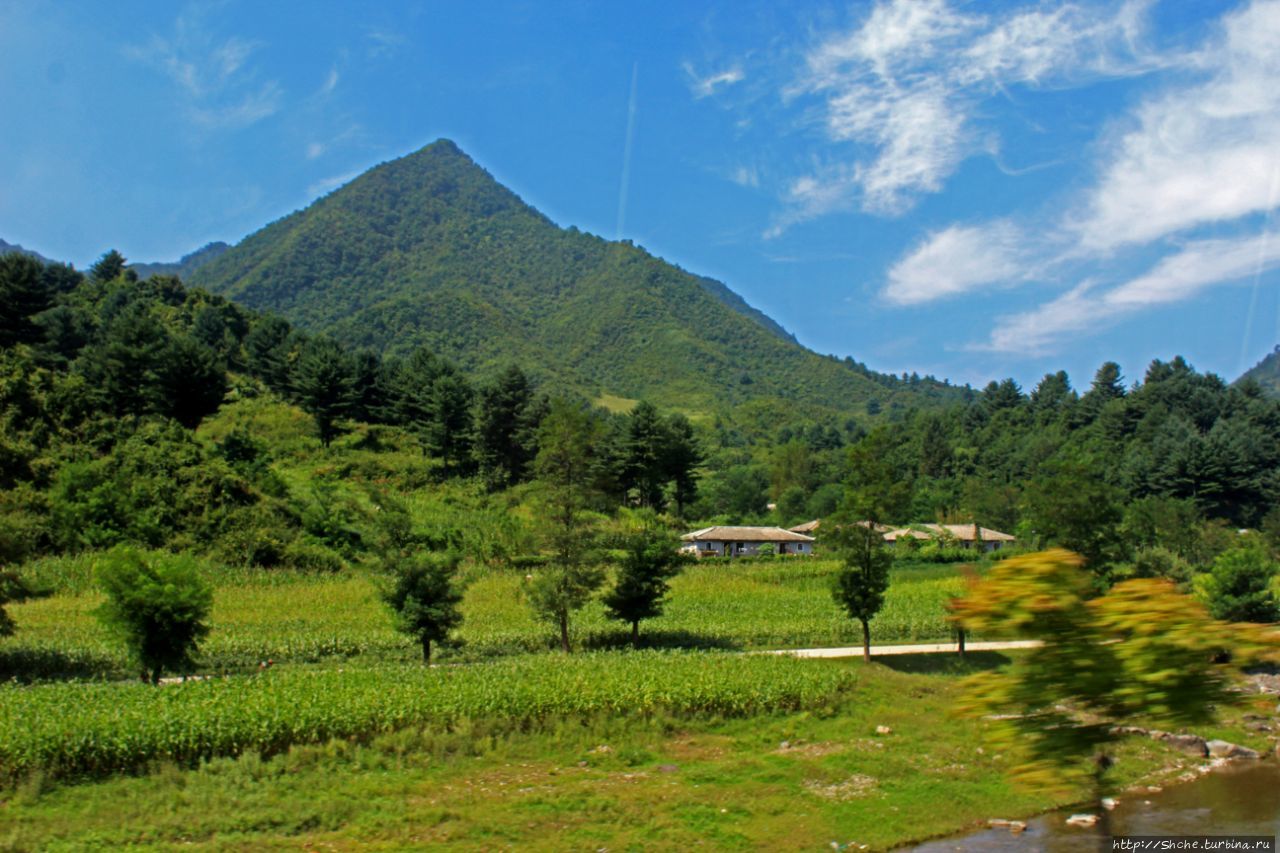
(430, 250)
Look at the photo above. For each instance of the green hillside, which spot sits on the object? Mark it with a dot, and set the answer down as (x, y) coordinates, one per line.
(186, 266)
(1266, 373)
(430, 249)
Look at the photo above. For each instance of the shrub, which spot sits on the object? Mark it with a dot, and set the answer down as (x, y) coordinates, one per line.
(158, 605)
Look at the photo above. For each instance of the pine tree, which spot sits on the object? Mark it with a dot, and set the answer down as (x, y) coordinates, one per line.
(23, 295)
(192, 382)
(324, 381)
(109, 267)
(506, 429)
(651, 560)
(425, 598)
(680, 458)
(568, 443)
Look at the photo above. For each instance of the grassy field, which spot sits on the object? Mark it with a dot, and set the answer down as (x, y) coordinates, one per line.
(793, 777)
(289, 617)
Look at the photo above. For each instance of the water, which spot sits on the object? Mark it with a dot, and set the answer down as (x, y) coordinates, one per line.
(1240, 799)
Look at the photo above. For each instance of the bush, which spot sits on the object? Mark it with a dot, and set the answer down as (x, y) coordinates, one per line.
(158, 605)
(1238, 588)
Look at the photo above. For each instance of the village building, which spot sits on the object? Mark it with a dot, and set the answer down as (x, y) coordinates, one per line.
(964, 535)
(745, 541)
(810, 528)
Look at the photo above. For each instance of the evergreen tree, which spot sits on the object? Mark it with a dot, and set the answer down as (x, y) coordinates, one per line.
(651, 558)
(373, 387)
(23, 295)
(643, 472)
(266, 351)
(681, 456)
(124, 369)
(434, 400)
(568, 450)
(935, 450)
(108, 268)
(506, 429)
(191, 381)
(449, 431)
(425, 598)
(324, 381)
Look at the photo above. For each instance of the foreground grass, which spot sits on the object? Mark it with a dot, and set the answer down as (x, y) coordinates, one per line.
(284, 616)
(776, 780)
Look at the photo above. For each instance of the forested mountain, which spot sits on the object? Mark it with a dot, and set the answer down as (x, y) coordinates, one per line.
(186, 266)
(1266, 373)
(431, 250)
(8, 248)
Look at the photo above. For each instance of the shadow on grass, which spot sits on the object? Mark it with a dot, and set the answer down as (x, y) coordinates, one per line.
(658, 640)
(944, 663)
(27, 665)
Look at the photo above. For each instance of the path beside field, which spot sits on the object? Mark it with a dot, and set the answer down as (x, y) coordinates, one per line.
(914, 649)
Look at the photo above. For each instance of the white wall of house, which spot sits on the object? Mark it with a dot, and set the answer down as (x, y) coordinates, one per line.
(748, 549)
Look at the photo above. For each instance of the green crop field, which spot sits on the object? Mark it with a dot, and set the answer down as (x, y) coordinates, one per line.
(290, 617)
(74, 729)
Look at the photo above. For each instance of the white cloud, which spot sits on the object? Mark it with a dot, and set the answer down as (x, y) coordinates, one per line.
(956, 260)
(330, 82)
(1202, 154)
(315, 149)
(703, 86)
(904, 86)
(1180, 276)
(220, 90)
(327, 185)
(745, 176)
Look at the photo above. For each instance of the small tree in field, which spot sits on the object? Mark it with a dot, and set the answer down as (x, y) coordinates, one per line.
(650, 560)
(568, 446)
(861, 583)
(425, 599)
(158, 605)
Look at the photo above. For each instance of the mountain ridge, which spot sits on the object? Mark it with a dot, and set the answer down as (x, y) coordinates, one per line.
(429, 249)
(1266, 373)
(184, 266)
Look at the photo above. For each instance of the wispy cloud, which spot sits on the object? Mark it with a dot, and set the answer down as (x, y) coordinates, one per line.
(220, 89)
(327, 185)
(957, 260)
(1182, 275)
(382, 42)
(330, 82)
(746, 176)
(1205, 153)
(899, 93)
(703, 86)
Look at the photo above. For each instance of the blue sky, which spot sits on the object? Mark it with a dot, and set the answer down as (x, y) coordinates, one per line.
(973, 190)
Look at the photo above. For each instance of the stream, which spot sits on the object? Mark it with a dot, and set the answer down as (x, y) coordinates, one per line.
(1242, 798)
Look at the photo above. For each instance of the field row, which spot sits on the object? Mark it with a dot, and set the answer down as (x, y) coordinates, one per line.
(94, 729)
(308, 618)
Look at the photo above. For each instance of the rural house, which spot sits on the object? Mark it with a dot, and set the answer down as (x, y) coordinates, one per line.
(964, 535)
(744, 541)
